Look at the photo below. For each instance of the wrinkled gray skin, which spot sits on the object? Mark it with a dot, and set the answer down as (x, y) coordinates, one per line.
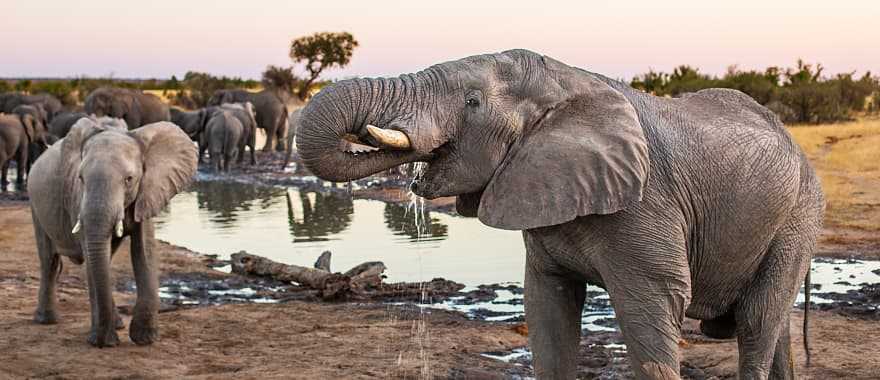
(22, 133)
(270, 108)
(62, 123)
(224, 139)
(51, 105)
(98, 176)
(135, 107)
(700, 206)
(293, 122)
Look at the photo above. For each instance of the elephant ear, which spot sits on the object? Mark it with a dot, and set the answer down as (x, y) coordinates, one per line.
(71, 158)
(588, 155)
(170, 161)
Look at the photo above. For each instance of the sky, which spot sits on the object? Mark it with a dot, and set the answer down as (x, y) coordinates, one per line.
(618, 38)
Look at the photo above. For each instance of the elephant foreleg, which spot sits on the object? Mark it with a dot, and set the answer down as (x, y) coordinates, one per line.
(50, 269)
(553, 306)
(22, 164)
(649, 291)
(144, 328)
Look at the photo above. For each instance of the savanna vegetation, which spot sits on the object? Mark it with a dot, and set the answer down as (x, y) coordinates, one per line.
(801, 94)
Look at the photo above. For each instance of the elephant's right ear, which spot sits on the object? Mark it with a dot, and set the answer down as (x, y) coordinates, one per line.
(587, 155)
(71, 157)
(27, 121)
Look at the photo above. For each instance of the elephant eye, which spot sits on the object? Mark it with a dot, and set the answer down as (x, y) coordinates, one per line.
(128, 180)
(472, 102)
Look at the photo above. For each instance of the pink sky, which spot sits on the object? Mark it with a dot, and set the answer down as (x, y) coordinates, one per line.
(164, 38)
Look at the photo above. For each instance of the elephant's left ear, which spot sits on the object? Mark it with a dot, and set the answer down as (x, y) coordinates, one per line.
(170, 162)
(587, 156)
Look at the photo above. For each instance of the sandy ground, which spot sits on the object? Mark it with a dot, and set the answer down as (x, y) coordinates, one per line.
(314, 340)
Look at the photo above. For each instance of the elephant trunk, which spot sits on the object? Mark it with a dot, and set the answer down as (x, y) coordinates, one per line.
(99, 220)
(333, 135)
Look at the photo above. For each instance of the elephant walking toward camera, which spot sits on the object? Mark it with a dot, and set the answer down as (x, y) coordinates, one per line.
(88, 192)
(135, 107)
(699, 206)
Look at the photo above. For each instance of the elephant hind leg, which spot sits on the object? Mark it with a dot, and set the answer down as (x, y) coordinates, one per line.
(50, 270)
(723, 327)
(763, 313)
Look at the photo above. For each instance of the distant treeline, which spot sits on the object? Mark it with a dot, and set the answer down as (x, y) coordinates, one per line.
(798, 95)
(192, 91)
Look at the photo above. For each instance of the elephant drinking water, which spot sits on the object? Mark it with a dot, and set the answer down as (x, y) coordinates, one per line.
(699, 206)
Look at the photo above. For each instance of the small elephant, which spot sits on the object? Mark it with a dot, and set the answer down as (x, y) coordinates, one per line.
(90, 190)
(270, 108)
(61, 124)
(21, 134)
(135, 107)
(700, 206)
(245, 114)
(224, 138)
(292, 127)
(194, 123)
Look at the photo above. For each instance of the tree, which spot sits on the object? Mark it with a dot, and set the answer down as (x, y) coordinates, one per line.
(280, 78)
(320, 52)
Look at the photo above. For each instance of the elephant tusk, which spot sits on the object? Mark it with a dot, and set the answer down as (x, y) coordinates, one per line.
(76, 227)
(389, 137)
(119, 228)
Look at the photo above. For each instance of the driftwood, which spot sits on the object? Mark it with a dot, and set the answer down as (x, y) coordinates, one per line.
(331, 285)
(363, 282)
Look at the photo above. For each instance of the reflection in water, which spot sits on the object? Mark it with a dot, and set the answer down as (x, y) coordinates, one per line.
(228, 200)
(223, 218)
(320, 215)
(400, 219)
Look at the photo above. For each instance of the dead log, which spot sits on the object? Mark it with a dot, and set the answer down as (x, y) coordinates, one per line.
(331, 285)
(366, 275)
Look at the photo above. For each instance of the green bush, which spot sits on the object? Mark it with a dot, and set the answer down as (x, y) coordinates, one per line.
(799, 95)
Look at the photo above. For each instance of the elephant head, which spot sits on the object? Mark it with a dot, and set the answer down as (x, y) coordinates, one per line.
(523, 140)
(114, 180)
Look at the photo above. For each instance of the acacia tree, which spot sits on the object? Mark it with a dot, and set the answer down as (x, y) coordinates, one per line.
(320, 52)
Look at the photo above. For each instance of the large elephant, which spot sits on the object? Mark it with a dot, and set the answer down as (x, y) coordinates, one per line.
(271, 109)
(135, 107)
(52, 106)
(88, 192)
(699, 206)
(21, 134)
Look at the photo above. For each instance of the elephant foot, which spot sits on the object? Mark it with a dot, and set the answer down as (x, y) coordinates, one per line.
(143, 333)
(102, 339)
(45, 317)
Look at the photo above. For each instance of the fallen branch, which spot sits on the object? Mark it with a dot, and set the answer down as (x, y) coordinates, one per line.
(331, 285)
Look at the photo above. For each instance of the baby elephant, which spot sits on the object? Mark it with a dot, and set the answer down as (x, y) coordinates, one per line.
(90, 190)
(20, 133)
(225, 137)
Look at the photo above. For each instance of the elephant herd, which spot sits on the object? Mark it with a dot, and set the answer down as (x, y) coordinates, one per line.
(30, 123)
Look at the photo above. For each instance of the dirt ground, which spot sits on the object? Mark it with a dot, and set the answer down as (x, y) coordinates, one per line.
(314, 340)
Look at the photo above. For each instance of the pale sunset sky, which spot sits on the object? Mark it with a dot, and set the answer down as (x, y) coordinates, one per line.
(619, 38)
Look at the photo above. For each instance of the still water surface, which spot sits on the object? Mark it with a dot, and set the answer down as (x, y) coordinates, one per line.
(293, 226)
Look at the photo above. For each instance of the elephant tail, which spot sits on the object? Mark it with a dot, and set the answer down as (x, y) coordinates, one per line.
(807, 316)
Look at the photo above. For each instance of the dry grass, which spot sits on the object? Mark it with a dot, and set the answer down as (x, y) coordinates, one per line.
(847, 159)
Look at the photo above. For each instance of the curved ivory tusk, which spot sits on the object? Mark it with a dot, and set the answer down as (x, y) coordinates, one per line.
(389, 138)
(76, 227)
(119, 228)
